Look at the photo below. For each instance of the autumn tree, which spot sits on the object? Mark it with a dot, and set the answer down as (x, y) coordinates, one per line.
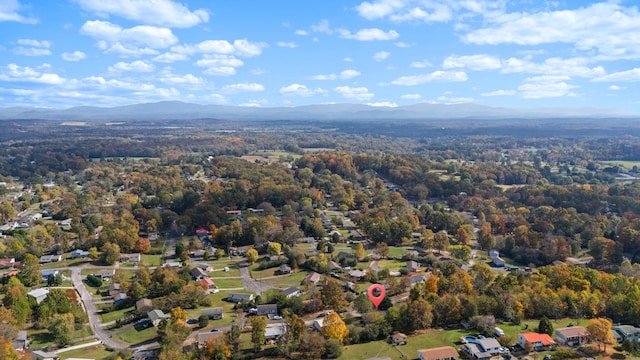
(360, 252)
(110, 254)
(420, 314)
(30, 270)
(462, 236)
(334, 327)
(441, 241)
(333, 296)
(143, 245)
(600, 330)
(252, 255)
(312, 345)
(258, 326)
(274, 248)
(485, 238)
(61, 326)
(7, 352)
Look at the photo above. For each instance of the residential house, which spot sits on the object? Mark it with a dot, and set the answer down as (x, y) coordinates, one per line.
(79, 254)
(143, 306)
(626, 332)
(312, 279)
(43, 355)
(7, 263)
(267, 309)
(417, 279)
(274, 333)
(197, 254)
(334, 266)
(114, 289)
(413, 266)
(156, 316)
(318, 324)
(439, 353)
(134, 258)
(357, 274)
(346, 255)
(291, 292)
(397, 339)
(46, 273)
(105, 274)
(39, 294)
(212, 313)
(483, 349)
(285, 269)
(203, 338)
(172, 265)
(496, 259)
(120, 298)
(239, 298)
(46, 259)
(207, 284)
(197, 273)
(204, 266)
(21, 342)
(572, 336)
(538, 341)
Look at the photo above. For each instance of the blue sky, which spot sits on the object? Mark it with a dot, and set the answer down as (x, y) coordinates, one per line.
(524, 53)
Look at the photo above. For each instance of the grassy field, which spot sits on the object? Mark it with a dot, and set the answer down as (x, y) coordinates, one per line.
(286, 281)
(114, 315)
(228, 283)
(151, 260)
(625, 164)
(133, 336)
(233, 272)
(92, 352)
(391, 264)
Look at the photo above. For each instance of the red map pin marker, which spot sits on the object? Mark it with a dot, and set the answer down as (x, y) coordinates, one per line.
(376, 294)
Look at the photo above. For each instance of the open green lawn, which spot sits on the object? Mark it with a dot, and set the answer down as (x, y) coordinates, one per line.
(92, 352)
(218, 273)
(39, 338)
(66, 262)
(626, 164)
(287, 281)
(391, 264)
(151, 260)
(399, 251)
(114, 315)
(228, 283)
(133, 336)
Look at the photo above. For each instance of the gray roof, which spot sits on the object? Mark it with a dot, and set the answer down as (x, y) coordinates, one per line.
(157, 315)
(211, 311)
(290, 291)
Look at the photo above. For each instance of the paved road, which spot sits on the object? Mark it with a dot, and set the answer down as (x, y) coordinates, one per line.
(251, 284)
(92, 312)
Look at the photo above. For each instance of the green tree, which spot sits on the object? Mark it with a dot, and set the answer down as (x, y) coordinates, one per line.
(545, 326)
(333, 296)
(274, 248)
(110, 253)
(460, 252)
(30, 271)
(258, 326)
(62, 328)
(312, 345)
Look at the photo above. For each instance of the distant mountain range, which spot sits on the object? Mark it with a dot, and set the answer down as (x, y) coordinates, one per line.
(176, 110)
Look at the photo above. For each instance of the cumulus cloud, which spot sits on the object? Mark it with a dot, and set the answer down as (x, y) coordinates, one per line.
(241, 47)
(138, 40)
(616, 36)
(411, 96)
(383, 104)
(346, 74)
(189, 79)
(30, 47)
(538, 87)
(421, 64)
(170, 57)
(158, 12)
(436, 76)
(472, 62)
(219, 65)
(614, 87)
(242, 88)
(301, 90)
(26, 74)
(73, 56)
(322, 27)
(301, 32)
(354, 93)
(381, 55)
(10, 11)
(135, 66)
(402, 10)
(371, 34)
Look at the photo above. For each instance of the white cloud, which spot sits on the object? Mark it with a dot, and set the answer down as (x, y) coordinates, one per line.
(157, 12)
(354, 93)
(499, 93)
(10, 11)
(138, 40)
(241, 47)
(453, 100)
(381, 55)
(135, 66)
(188, 79)
(301, 32)
(170, 57)
(257, 71)
(615, 38)
(421, 64)
(32, 51)
(371, 34)
(473, 62)
(576, 66)
(35, 43)
(291, 45)
(436, 76)
(538, 87)
(347, 59)
(625, 76)
(74, 56)
(322, 27)
(614, 87)
(219, 65)
(406, 10)
(301, 90)
(346, 74)
(411, 96)
(37, 75)
(242, 87)
(383, 104)
(402, 44)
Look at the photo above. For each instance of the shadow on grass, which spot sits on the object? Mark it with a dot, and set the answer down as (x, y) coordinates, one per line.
(42, 339)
